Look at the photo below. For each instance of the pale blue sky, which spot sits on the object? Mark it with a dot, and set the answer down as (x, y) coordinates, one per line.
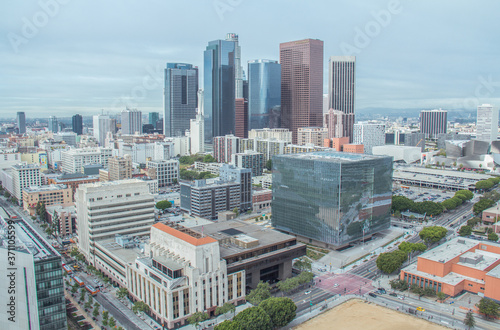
(84, 56)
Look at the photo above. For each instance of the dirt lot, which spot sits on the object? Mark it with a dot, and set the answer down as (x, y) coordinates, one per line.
(356, 314)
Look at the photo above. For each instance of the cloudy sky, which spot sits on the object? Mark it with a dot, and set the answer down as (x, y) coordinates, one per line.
(61, 57)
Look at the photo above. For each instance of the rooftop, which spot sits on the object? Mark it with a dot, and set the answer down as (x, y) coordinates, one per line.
(33, 189)
(332, 156)
(127, 255)
(186, 235)
(449, 250)
(495, 272)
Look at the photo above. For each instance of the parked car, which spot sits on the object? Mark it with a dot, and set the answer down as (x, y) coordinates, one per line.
(393, 294)
(371, 294)
(420, 309)
(307, 292)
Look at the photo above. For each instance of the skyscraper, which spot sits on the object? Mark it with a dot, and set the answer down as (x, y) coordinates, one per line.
(219, 89)
(334, 122)
(102, 125)
(342, 81)
(241, 118)
(264, 94)
(153, 118)
(53, 126)
(131, 121)
(433, 122)
(181, 90)
(77, 124)
(301, 84)
(487, 123)
(21, 122)
(238, 69)
(369, 134)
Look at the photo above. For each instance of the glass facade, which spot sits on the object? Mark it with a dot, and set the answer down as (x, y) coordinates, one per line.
(219, 88)
(264, 94)
(181, 98)
(332, 197)
(50, 293)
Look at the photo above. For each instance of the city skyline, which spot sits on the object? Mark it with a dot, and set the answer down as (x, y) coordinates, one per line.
(398, 65)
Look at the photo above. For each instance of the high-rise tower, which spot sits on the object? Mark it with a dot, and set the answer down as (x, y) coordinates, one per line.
(21, 122)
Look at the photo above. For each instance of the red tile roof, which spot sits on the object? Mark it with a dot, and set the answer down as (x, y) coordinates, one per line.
(183, 236)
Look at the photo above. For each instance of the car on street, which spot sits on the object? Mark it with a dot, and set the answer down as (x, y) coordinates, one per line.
(307, 292)
(401, 297)
(371, 294)
(393, 294)
(382, 290)
(336, 285)
(420, 309)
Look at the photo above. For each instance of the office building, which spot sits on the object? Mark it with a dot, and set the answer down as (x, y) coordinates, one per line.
(68, 137)
(487, 123)
(264, 94)
(53, 125)
(23, 176)
(311, 135)
(242, 176)
(238, 69)
(102, 125)
(105, 209)
(224, 147)
(334, 123)
(433, 122)
(166, 172)
(131, 121)
(21, 122)
(461, 264)
(72, 180)
(77, 124)
(241, 118)
(34, 288)
(153, 118)
(213, 168)
(296, 149)
(206, 200)
(74, 159)
(249, 159)
(219, 89)
(197, 134)
(331, 198)
(341, 90)
(369, 134)
(282, 134)
(120, 168)
(48, 195)
(301, 84)
(66, 218)
(181, 97)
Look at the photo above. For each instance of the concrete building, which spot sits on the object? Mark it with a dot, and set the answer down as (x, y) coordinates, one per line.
(74, 159)
(341, 90)
(120, 168)
(23, 176)
(102, 125)
(399, 153)
(21, 122)
(53, 124)
(336, 143)
(268, 147)
(166, 171)
(301, 90)
(281, 134)
(33, 289)
(261, 199)
(197, 134)
(73, 180)
(66, 218)
(331, 198)
(49, 195)
(249, 159)
(311, 135)
(295, 149)
(224, 147)
(213, 168)
(104, 209)
(241, 118)
(242, 176)
(459, 265)
(131, 121)
(369, 135)
(68, 137)
(334, 123)
(487, 123)
(433, 122)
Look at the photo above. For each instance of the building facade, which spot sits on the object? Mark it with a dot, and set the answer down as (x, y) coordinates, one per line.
(197, 134)
(23, 176)
(301, 84)
(369, 135)
(224, 147)
(131, 121)
(120, 168)
(487, 123)
(53, 125)
(153, 117)
(74, 159)
(102, 125)
(21, 122)
(77, 124)
(241, 118)
(48, 195)
(334, 123)
(311, 135)
(242, 176)
(433, 122)
(249, 159)
(166, 171)
(332, 198)
(282, 134)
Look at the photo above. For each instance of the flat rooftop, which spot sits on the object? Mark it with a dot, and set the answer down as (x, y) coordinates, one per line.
(449, 250)
(443, 173)
(450, 278)
(495, 272)
(126, 255)
(332, 156)
(33, 189)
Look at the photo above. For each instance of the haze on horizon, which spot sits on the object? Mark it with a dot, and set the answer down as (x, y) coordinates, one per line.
(61, 57)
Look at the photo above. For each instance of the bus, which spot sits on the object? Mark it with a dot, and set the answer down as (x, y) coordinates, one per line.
(68, 269)
(93, 291)
(78, 281)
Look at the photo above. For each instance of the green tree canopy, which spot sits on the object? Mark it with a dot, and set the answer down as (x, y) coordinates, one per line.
(228, 325)
(303, 264)
(488, 307)
(259, 294)
(433, 234)
(465, 231)
(140, 306)
(482, 205)
(467, 193)
(269, 165)
(122, 293)
(408, 247)
(389, 262)
(162, 205)
(470, 321)
(209, 159)
(493, 237)
(280, 310)
(401, 203)
(254, 318)
(227, 307)
(197, 317)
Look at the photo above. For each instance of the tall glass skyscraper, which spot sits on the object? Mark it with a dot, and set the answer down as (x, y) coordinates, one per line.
(331, 197)
(53, 126)
(264, 94)
(238, 69)
(21, 122)
(153, 118)
(77, 124)
(181, 97)
(219, 88)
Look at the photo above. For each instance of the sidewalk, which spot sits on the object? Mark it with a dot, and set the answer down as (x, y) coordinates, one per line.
(88, 318)
(127, 311)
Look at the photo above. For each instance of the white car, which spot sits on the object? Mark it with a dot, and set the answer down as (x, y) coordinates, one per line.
(307, 292)
(401, 297)
(336, 285)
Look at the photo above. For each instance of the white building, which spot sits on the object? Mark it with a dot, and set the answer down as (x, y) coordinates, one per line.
(102, 125)
(283, 134)
(196, 134)
(399, 153)
(74, 159)
(24, 175)
(312, 135)
(166, 171)
(131, 121)
(369, 134)
(181, 145)
(104, 209)
(68, 137)
(487, 123)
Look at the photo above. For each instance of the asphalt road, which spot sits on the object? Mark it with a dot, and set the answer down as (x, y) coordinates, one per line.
(117, 314)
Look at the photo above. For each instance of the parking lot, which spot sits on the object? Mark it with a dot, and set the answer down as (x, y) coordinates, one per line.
(420, 194)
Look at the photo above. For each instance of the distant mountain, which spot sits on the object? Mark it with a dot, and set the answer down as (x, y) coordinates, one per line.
(460, 115)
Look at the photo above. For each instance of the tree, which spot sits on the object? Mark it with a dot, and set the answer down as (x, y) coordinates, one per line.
(209, 159)
(197, 317)
(82, 294)
(401, 203)
(105, 322)
(488, 307)
(112, 322)
(432, 234)
(228, 325)
(493, 237)
(56, 222)
(105, 315)
(227, 307)
(260, 293)
(441, 296)
(303, 264)
(162, 205)
(74, 288)
(269, 164)
(96, 311)
(389, 262)
(236, 211)
(280, 310)
(465, 231)
(89, 302)
(6, 194)
(122, 293)
(482, 205)
(469, 320)
(254, 318)
(140, 306)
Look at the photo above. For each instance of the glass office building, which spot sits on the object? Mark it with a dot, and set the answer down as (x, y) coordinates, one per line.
(264, 94)
(331, 197)
(219, 89)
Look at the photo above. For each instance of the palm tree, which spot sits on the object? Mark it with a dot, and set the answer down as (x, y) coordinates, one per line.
(469, 320)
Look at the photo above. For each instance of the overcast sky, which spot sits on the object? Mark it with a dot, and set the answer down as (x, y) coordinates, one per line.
(73, 56)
